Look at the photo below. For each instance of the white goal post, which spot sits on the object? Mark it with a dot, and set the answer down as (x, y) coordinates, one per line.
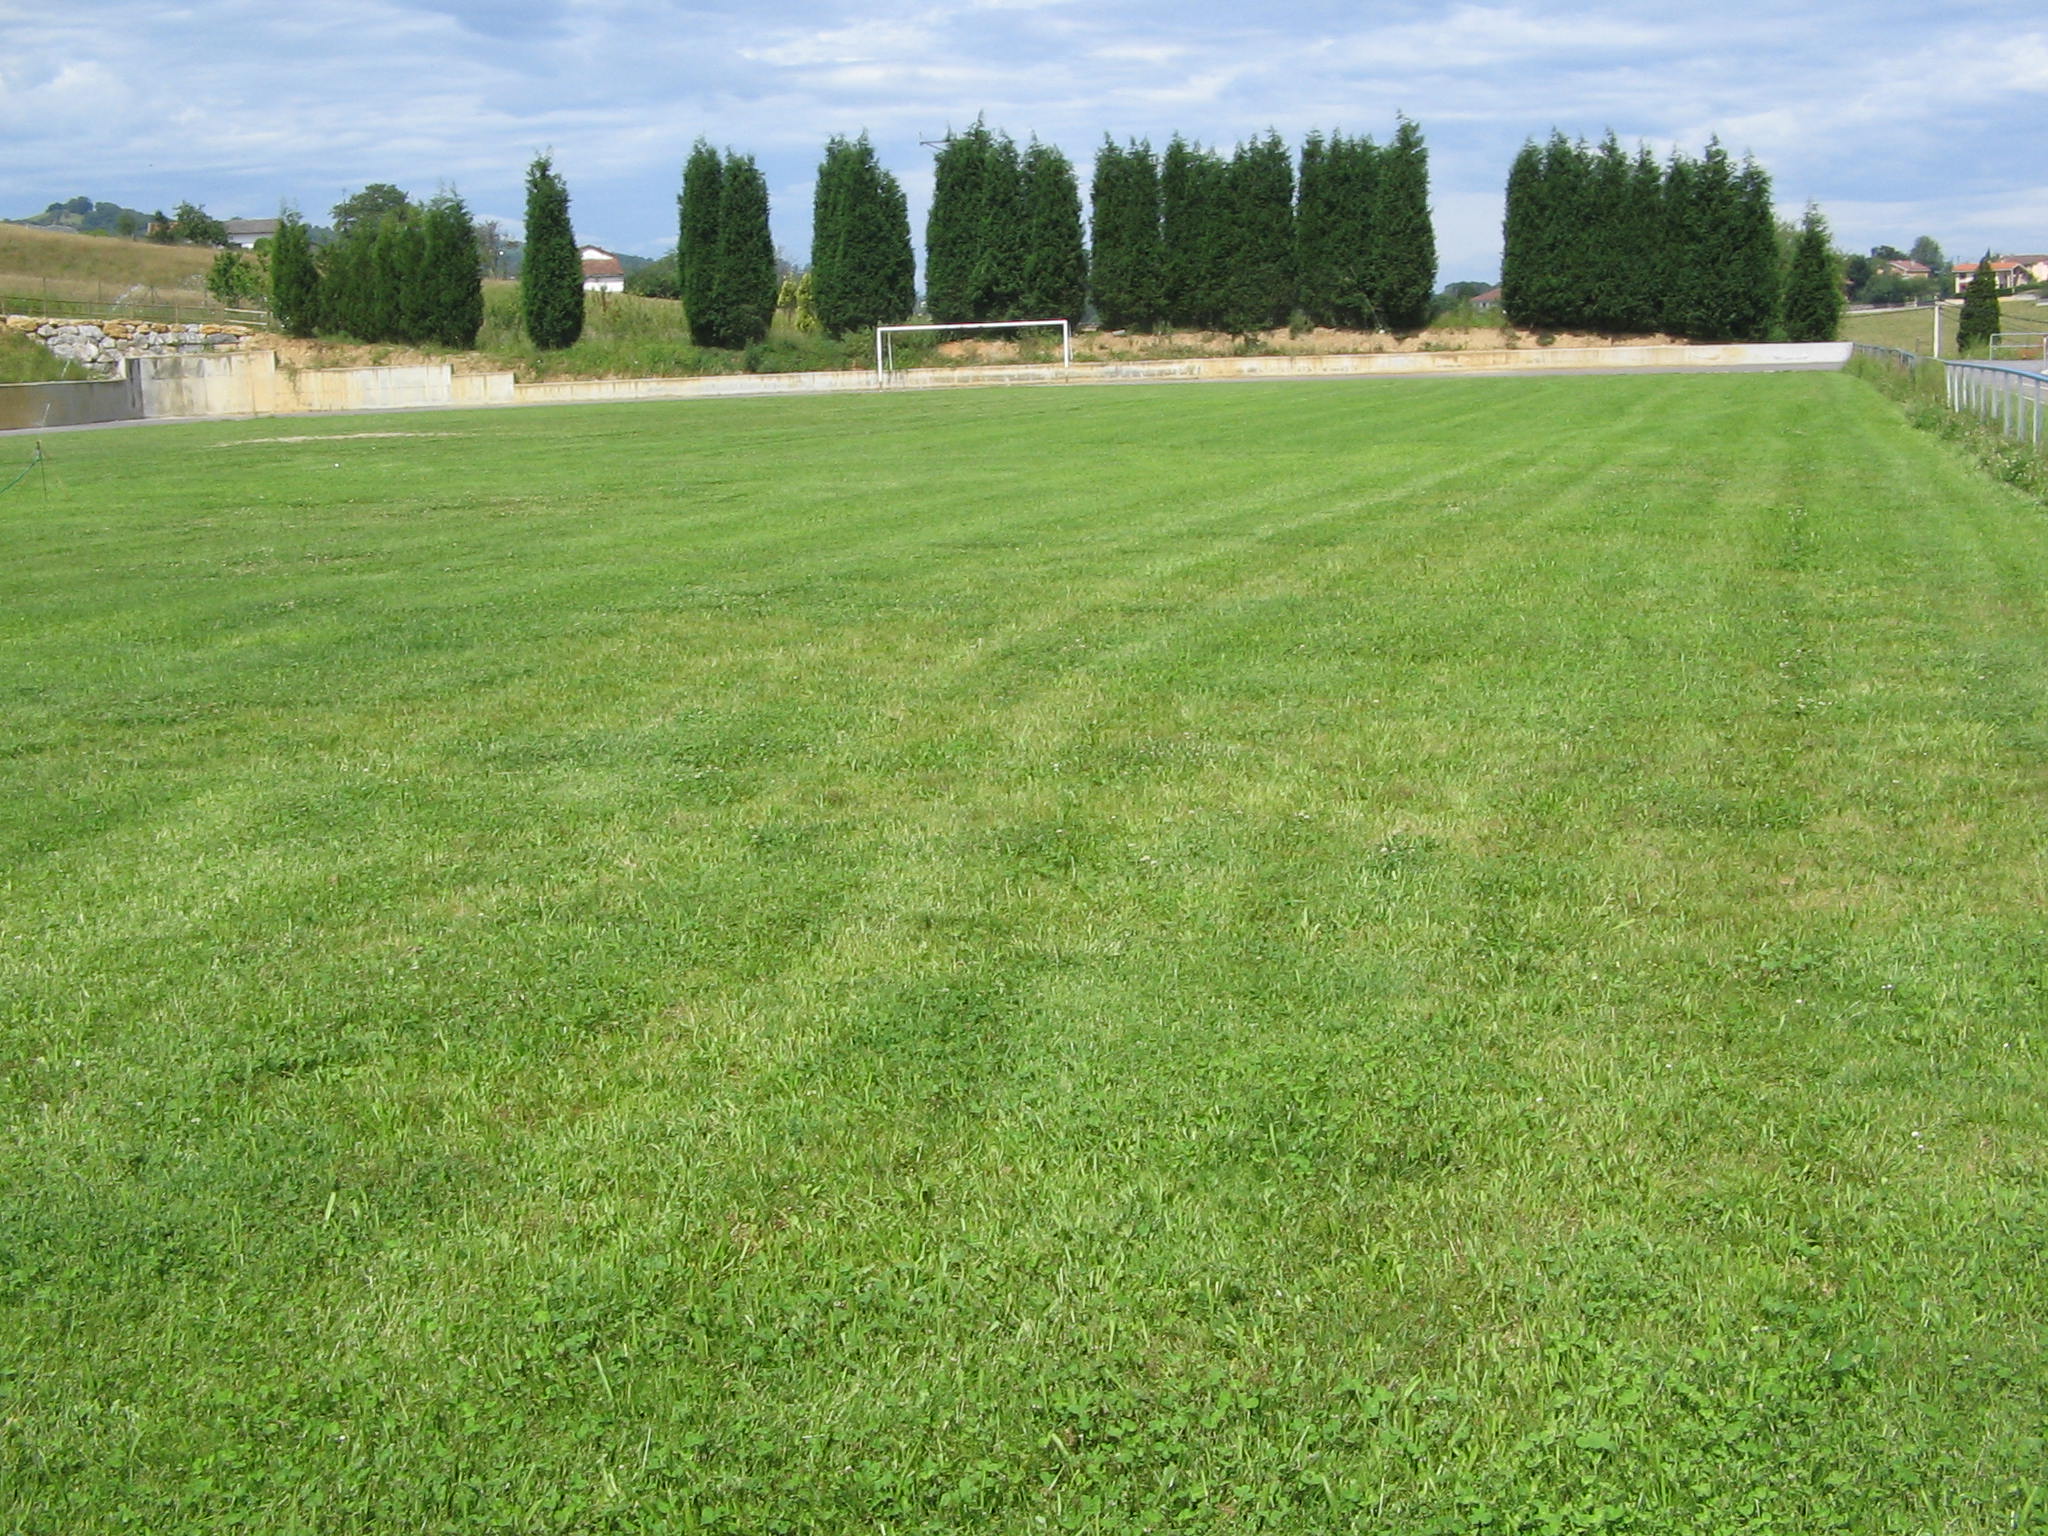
(885, 345)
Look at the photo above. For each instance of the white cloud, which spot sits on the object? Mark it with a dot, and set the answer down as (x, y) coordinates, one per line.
(1895, 127)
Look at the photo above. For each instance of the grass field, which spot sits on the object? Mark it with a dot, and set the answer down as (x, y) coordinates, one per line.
(1461, 956)
(52, 264)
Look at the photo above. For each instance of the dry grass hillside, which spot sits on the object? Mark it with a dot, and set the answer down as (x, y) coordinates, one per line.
(56, 264)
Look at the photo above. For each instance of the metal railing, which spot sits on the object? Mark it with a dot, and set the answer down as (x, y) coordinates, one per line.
(2010, 397)
(2020, 345)
(1891, 357)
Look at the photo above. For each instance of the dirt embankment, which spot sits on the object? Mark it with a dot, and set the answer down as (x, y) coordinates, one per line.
(1117, 346)
(1089, 347)
(296, 352)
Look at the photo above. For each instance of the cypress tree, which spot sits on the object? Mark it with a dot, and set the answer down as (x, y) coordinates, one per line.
(742, 297)
(1642, 238)
(1315, 229)
(828, 220)
(1979, 321)
(1179, 220)
(1608, 256)
(1404, 241)
(341, 283)
(1055, 271)
(1124, 273)
(1681, 211)
(294, 277)
(1568, 244)
(1813, 286)
(551, 276)
(453, 273)
(953, 230)
(1521, 253)
(1194, 208)
(697, 239)
(1000, 243)
(1257, 287)
(1758, 272)
(862, 266)
(414, 321)
(1357, 166)
(383, 296)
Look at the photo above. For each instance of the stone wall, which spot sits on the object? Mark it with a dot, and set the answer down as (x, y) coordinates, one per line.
(102, 343)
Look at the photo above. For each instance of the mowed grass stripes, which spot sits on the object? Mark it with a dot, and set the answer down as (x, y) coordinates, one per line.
(1455, 955)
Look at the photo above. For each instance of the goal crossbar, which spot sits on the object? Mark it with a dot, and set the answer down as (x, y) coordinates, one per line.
(885, 339)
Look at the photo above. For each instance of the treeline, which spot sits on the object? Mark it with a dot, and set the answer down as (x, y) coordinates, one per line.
(1003, 241)
(410, 274)
(1192, 239)
(1598, 239)
(1189, 238)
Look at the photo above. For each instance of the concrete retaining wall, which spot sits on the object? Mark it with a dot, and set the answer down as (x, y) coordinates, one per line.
(77, 403)
(252, 383)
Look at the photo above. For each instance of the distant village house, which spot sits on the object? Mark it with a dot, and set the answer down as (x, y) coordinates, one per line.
(246, 232)
(2005, 274)
(602, 272)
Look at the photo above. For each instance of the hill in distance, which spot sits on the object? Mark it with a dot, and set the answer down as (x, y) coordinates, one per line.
(88, 217)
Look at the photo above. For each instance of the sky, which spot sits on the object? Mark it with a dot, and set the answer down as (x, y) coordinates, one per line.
(1898, 119)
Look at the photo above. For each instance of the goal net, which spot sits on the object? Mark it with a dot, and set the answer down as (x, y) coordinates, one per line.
(885, 339)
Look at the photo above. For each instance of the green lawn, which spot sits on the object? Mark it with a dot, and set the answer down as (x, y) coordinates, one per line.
(1446, 955)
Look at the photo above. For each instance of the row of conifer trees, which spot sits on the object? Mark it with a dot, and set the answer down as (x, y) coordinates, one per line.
(1188, 238)
(411, 276)
(1598, 239)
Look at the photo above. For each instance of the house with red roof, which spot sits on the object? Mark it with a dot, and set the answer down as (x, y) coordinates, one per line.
(2005, 273)
(602, 271)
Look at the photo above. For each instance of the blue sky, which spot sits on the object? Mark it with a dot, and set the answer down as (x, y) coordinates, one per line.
(1900, 119)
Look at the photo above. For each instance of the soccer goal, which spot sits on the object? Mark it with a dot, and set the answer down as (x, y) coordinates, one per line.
(885, 340)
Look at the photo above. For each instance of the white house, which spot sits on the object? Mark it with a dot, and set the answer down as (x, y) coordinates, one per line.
(602, 272)
(246, 232)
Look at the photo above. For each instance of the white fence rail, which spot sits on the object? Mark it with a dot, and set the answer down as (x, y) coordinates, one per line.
(2011, 396)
